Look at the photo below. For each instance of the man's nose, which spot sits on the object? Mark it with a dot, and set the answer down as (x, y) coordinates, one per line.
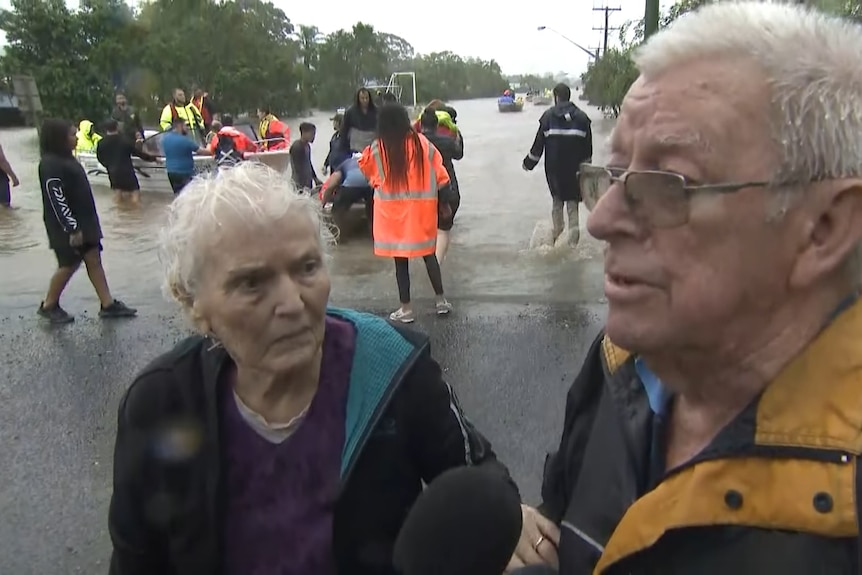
(612, 216)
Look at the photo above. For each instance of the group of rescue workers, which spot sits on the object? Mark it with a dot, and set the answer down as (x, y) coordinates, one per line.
(402, 170)
(193, 127)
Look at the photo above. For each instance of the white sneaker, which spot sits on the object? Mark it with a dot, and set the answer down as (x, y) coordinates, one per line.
(402, 316)
(443, 307)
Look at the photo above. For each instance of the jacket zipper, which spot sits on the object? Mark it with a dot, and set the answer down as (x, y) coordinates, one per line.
(378, 414)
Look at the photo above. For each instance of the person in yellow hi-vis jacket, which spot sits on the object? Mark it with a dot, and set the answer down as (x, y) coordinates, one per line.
(182, 108)
(86, 137)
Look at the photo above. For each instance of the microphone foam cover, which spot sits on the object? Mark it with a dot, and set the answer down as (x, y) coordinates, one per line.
(466, 522)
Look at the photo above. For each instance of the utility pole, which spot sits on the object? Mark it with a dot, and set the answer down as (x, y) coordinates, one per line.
(651, 15)
(606, 28)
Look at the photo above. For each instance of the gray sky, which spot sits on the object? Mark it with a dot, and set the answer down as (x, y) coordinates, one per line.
(504, 31)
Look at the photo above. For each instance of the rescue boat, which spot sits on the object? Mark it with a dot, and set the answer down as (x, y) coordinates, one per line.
(509, 104)
(152, 175)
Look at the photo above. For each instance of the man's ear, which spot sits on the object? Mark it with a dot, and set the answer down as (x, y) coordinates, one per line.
(831, 230)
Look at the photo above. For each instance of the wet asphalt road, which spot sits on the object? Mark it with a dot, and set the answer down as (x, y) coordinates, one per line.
(510, 363)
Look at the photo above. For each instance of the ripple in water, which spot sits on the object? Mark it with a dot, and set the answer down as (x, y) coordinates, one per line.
(14, 233)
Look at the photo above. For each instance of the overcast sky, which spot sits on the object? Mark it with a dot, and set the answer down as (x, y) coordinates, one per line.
(504, 31)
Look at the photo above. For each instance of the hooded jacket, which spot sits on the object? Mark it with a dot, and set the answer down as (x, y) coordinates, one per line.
(88, 139)
(451, 147)
(776, 491)
(566, 139)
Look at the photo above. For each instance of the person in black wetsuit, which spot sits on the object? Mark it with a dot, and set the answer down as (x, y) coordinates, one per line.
(115, 152)
(72, 223)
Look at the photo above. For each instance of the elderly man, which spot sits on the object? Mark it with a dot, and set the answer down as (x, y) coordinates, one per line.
(716, 425)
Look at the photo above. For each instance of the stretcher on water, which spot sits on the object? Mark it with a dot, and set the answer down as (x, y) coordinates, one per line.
(152, 175)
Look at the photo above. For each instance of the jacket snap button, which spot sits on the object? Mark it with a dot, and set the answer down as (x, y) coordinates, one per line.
(823, 502)
(733, 499)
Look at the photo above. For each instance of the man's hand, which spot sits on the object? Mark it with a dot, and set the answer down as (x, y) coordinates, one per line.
(76, 239)
(538, 543)
(14, 179)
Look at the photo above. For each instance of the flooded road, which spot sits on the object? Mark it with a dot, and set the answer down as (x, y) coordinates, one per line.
(490, 258)
(523, 321)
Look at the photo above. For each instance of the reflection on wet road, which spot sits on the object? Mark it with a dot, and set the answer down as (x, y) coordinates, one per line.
(490, 258)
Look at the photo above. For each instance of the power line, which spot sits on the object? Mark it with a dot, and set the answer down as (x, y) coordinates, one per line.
(606, 28)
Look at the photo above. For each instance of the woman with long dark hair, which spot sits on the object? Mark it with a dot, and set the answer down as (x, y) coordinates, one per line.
(360, 123)
(411, 190)
(72, 223)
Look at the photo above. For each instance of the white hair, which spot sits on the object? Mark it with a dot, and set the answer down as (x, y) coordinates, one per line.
(811, 64)
(250, 193)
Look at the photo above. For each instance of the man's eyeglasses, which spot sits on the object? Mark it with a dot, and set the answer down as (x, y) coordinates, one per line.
(661, 199)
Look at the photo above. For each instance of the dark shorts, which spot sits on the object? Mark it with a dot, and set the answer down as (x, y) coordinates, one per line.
(179, 181)
(5, 192)
(124, 181)
(69, 257)
(445, 224)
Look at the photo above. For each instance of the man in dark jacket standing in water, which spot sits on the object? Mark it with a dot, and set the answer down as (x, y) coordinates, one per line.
(565, 137)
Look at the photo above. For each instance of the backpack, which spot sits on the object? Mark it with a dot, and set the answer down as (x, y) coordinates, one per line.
(226, 153)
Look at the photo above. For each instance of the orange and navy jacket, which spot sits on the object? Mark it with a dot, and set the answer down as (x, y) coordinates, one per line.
(777, 491)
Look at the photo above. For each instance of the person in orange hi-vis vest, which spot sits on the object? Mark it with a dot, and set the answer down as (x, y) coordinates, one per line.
(407, 174)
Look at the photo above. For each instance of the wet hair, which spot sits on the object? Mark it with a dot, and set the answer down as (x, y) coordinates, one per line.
(394, 131)
(306, 127)
(562, 92)
(429, 118)
(226, 120)
(54, 137)
(111, 125)
(389, 98)
(250, 194)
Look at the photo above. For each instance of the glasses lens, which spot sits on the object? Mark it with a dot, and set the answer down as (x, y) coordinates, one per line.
(658, 197)
(595, 181)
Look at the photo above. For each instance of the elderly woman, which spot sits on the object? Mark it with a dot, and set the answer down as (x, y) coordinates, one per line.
(286, 437)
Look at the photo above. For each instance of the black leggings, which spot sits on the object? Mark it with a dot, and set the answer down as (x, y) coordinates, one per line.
(402, 276)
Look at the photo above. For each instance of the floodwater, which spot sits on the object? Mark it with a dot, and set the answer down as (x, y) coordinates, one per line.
(493, 255)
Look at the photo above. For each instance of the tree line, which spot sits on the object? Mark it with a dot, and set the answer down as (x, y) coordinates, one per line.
(246, 53)
(608, 79)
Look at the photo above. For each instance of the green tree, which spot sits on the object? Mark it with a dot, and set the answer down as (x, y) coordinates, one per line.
(245, 53)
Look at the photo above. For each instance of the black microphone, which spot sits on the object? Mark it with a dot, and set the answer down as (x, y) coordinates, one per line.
(467, 522)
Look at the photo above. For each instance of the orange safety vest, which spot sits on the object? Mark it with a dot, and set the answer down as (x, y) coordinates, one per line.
(405, 218)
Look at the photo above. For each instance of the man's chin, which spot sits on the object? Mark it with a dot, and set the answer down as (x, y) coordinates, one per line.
(633, 332)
